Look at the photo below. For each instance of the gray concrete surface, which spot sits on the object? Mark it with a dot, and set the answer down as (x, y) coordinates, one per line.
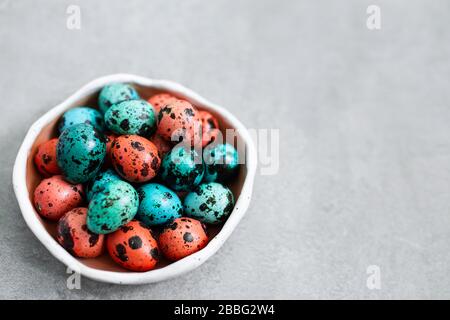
(363, 115)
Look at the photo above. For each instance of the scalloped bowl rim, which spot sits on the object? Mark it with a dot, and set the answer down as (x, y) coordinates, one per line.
(172, 270)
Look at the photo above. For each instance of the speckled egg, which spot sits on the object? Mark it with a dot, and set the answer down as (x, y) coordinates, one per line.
(183, 237)
(45, 158)
(81, 115)
(81, 151)
(75, 237)
(113, 207)
(135, 158)
(114, 93)
(210, 203)
(131, 117)
(182, 169)
(99, 183)
(161, 100)
(179, 121)
(163, 146)
(133, 247)
(221, 162)
(54, 196)
(158, 204)
(210, 127)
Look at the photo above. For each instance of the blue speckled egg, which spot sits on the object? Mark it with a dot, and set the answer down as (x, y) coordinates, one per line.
(80, 152)
(114, 93)
(131, 117)
(158, 204)
(81, 115)
(210, 203)
(221, 162)
(100, 182)
(182, 169)
(112, 208)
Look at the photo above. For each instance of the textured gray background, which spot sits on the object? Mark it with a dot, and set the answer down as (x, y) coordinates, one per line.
(363, 115)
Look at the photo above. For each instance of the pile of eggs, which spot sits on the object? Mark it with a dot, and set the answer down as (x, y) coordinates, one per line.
(139, 179)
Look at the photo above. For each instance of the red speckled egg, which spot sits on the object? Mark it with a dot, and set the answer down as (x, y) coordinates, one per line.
(133, 247)
(163, 146)
(54, 196)
(135, 158)
(180, 119)
(74, 236)
(184, 236)
(45, 158)
(161, 100)
(210, 127)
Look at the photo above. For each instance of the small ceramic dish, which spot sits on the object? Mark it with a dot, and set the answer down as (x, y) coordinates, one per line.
(26, 178)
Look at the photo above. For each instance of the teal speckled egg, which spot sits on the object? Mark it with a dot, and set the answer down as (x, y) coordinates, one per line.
(100, 182)
(210, 203)
(112, 208)
(80, 152)
(114, 93)
(81, 115)
(131, 117)
(158, 205)
(182, 169)
(221, 162)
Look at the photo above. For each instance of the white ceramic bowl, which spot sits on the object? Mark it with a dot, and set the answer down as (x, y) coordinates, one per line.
(26, 178)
